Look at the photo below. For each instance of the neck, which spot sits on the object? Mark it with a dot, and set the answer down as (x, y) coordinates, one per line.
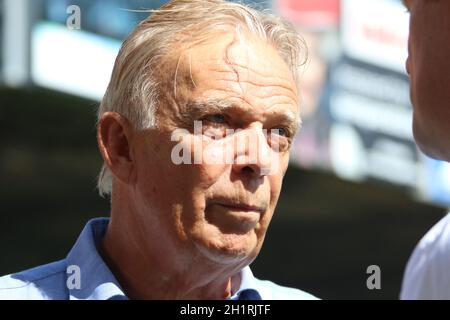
(151, 269)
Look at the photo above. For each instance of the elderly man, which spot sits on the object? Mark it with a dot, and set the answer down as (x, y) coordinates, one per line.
(190, 82)
(427, 274)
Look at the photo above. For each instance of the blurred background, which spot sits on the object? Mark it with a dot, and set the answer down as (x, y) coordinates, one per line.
(358, 191)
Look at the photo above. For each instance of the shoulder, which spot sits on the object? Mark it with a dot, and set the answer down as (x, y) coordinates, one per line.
(272, 291)
(434, 247)
(46, 282)
(426, 275)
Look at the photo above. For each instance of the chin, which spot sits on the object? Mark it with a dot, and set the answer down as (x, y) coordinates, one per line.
(230, 248)
(433, 147)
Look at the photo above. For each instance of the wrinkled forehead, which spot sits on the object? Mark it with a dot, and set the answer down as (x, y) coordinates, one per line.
(228, 56)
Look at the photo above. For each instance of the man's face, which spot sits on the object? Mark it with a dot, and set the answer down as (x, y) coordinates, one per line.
(221, 210)
(429, 67)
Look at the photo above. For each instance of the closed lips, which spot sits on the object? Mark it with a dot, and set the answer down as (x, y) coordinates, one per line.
(241, 207)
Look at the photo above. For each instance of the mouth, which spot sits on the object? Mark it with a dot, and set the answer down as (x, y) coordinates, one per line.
(242, 207)
(234, 217)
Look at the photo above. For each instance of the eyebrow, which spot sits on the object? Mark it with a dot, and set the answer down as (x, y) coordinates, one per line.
(197, 109)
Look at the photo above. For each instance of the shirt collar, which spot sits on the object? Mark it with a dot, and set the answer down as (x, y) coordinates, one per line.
(97, 281)
(247, 282)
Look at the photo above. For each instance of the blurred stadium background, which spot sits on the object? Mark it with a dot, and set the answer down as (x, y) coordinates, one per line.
(358, 191)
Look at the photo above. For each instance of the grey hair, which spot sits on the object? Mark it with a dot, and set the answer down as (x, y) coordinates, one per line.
(133, 90)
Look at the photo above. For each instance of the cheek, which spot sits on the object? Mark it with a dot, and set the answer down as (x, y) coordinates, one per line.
(275, 188)
(276, 180)
(155, 175)
(213, 161)
(284, 163)
(187, 184)
(160, 174)
(193, 179)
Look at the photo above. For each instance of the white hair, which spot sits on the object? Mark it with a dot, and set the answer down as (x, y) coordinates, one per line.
(133, 90)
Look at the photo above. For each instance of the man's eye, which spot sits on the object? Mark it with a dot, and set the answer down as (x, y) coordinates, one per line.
(281, 132)
(216, 118)
(279, 139)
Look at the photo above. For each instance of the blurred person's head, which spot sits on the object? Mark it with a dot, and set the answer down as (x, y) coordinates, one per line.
(428, 65)
(230, 67)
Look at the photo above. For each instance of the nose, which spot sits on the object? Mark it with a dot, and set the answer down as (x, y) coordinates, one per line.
(254, 157)
(408, 65)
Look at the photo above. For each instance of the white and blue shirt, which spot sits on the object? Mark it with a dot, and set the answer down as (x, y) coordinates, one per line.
(427, 274)
(53, 281)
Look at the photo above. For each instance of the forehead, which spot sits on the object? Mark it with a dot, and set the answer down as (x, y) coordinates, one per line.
(237, 67)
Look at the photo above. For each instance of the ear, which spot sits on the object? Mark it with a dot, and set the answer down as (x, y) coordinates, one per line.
(114, 137)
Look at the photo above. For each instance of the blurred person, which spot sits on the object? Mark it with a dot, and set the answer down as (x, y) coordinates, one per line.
(427, 274)
(185, 231)
(310, 147)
